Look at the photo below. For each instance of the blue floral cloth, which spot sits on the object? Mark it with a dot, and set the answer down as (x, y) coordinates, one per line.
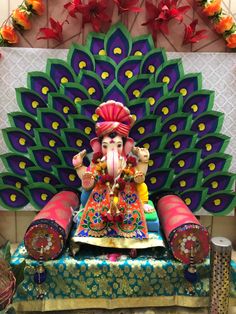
(94, 276)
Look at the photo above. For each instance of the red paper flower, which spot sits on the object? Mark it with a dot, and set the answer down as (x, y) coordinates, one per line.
(132, 161)
(55, 32)
(191, 35)
(121, 182)
(94, 13)
(159, 16)
(72, 7)
(127, 5)
(106, 178)
(97, 157)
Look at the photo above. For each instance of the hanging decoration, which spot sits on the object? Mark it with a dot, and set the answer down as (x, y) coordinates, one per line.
(223, 23)
(19, 20)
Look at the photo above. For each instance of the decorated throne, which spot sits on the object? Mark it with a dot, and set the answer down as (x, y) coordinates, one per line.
(118, 149)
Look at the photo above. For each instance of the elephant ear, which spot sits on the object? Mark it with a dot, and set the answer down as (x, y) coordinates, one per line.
(96, 145)
(129, 144)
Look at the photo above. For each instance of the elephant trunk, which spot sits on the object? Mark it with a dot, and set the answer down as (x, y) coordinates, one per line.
(113, 163)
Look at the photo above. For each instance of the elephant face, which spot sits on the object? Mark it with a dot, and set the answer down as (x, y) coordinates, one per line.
(112, 149)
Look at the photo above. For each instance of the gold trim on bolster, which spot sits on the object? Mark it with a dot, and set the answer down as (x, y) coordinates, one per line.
(126, 243)
(86, 303)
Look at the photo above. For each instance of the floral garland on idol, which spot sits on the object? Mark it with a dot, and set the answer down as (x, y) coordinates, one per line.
(223, 23)
(114, 187)
(19, 20)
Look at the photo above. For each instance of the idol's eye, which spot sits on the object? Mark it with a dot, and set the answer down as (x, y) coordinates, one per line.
(119, 145)
(104, 146)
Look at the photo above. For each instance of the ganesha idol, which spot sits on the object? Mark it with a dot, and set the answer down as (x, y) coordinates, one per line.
(114, 197)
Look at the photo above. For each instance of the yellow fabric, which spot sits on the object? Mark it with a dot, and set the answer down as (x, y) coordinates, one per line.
(142, 190)
(72, 304)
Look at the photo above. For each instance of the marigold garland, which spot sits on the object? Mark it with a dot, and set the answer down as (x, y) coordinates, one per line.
(223, 22)
(19, 20)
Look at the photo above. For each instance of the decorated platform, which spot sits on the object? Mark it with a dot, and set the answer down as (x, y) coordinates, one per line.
(92, 280)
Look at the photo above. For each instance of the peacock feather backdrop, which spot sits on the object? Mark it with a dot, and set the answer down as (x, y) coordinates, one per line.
(174, 117)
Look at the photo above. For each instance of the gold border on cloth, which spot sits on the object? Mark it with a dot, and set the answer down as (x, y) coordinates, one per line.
(86, 303)
(126, 243)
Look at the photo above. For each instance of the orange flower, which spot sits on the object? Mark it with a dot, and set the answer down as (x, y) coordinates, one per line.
(9, 35)
(231, 40)
(212, 8)
(21, 19)
(224, 23)
(35, 6)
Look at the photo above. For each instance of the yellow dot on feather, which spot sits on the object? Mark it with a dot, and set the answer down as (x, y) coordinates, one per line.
(176, 144)
(52, 143)
(151, 100)
(46, 179)
(13, 197)
(165, 110)
(181, 163)
(34, 104)
(136, 93)
(211, 166)
(117, 51)
(217, 202)
(77, 99)
(151, 68)
(79, 143)
(104, 75)
(18, 185)
(22, 141)
(208, 147)
(173, 128)
(150, 163)
(129, 73)
(82, 64)
(146, 145)
(183, 91)
(194, 107)
(46, 158)
(201, 127)
(153, 180)
(72, 177)
(44, 196)
(134, 117)
(87, 130)
(64, 80)
(138, 53)
(188, 201)
(55, 125)
(66, 109)
(95, 117)
(22, 165)
(141, 130)
(91, 90)
(182, 183)
(166, 79)
(28, 126)
(214, 184)
(102, 52)
(45, 90)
